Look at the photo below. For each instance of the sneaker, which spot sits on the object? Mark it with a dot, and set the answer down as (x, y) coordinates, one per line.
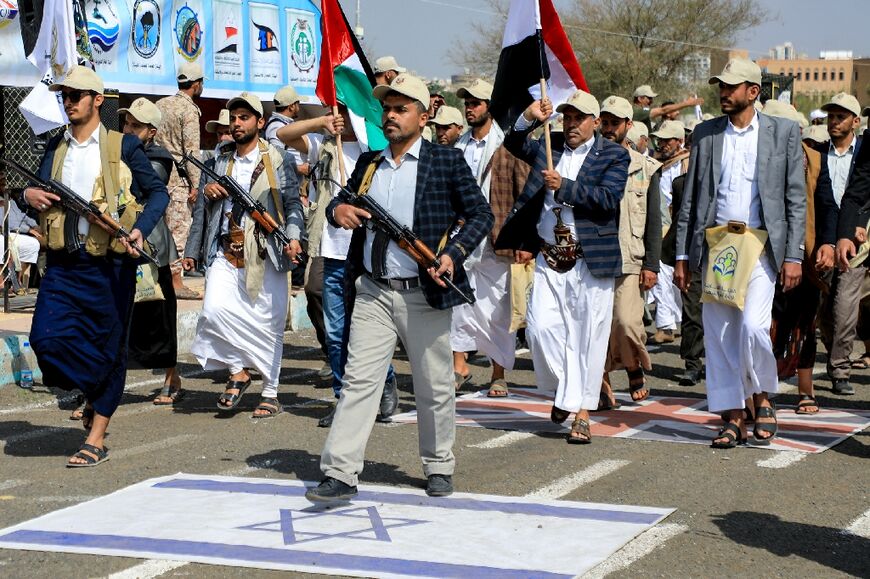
(842, 387)
(664, 337)
(330, 490)
(439, 485)
(325, 372)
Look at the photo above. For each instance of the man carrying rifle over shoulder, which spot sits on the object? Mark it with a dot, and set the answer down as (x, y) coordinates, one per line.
(242, 322)
(79, 332)
(426, 188)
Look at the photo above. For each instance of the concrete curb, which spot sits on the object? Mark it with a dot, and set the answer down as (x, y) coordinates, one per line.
(12, 338)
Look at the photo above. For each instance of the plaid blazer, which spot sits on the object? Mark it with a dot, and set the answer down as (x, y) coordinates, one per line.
(594, 197)
(446, 189)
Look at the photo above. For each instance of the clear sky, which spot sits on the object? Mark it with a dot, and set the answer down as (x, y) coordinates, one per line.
(419, 33)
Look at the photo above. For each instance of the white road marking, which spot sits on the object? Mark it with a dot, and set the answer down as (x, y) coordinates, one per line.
(643, 545)
(38, 405)
(782, 459)
(254, 465)
(148, 570)
(152, 446)
(505, 439)
(24, 436)
(12, 483)
(67, 499)
(565, 485)
(860, 526)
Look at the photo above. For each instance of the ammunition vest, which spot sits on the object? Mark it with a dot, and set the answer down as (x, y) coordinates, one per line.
(111, 193)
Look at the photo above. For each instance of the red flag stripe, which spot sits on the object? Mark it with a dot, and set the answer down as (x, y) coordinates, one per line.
(556, 39)
(336, 47)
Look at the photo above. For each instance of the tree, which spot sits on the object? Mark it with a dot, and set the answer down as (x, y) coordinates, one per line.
(625, 43)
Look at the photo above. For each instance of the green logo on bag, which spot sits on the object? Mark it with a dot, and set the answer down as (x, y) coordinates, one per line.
(725, 263)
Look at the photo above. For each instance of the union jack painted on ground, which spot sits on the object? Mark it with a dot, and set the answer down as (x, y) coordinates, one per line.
(669, 419)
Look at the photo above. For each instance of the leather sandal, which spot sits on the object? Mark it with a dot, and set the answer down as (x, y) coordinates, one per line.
(581, 427)
(637, 383)
(805, 403)
(87, 453)
(558, 416)
(270, 406)
(770, 428)
(731, 433)
(230, 401)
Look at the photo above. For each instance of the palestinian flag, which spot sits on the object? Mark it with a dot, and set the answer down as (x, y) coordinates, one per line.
(535, 46)
(346, 76)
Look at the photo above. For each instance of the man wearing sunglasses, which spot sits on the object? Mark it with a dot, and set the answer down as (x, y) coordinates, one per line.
(79, 332)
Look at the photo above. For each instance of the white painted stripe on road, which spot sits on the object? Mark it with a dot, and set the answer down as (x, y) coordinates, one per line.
(253, 466)
(152, 446)
(860, 526)
(148, 570)
(505, 439)
(24, 436)
(565, 485)
(12, 483)
(643, 545)
(67, 499)
(782, 459)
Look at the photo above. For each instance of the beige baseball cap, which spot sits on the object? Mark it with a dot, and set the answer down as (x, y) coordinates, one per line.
(844, 101)
(479, 89)
(385, 63)
(637, 131)
(645, 90)
(406, 84)
(690, 126)
(670, 130)
(286, 96)
(223, 120)
(79, 78)
(738, 70)
(776, 108)
(817, 133)
(448, 116)
(583, 102)
(145, 112)
(618, 107)
(189, 72)
(247, 100)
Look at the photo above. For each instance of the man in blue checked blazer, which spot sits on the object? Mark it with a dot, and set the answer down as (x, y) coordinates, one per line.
(427, 188)
(569, 216)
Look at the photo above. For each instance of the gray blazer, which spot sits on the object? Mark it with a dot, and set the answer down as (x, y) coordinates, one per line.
(781, 184)
(202, 240)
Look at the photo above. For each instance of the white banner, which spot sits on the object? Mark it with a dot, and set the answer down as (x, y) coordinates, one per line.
(17, 71)
(266, 50)
(108, 27)
(188, 31)
(302, 41)
(146, 37)
(228, 40)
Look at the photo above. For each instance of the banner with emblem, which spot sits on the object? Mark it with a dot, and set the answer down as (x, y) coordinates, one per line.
(137, 45)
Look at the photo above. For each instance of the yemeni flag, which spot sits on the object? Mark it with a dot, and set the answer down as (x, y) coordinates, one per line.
(535, 46)
(346, 76)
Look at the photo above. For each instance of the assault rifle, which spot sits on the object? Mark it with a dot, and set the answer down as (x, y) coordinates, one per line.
(73, 202)
(406, 239)
(250, 205)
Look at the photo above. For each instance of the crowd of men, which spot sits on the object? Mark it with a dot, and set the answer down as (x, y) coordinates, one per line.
(610, 211)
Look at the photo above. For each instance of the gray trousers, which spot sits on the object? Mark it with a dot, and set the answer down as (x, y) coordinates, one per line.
(839, 320)
(380, 317)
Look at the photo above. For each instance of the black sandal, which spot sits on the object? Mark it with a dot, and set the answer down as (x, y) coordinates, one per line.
(579, 426)
(804, 402)
(270, 405)
(88, 417)
(173, 394)
(634, 376)
(765, 412)
(558, 415)
(731, 433)
(101, 454)
(230, 401)
(604, 403)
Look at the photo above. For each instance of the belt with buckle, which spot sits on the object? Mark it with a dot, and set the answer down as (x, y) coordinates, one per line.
(397, 283)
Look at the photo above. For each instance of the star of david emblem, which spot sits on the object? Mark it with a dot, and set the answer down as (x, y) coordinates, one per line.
(360, 523)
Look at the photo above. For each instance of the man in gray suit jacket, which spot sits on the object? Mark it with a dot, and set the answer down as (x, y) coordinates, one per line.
(745, 167)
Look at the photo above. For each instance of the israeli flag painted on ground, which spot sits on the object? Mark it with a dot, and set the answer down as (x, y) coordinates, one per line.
(384, 532)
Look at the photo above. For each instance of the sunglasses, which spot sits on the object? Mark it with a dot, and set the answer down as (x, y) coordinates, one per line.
(75, 96)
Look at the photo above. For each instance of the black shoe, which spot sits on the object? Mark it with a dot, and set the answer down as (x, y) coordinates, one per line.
(389, 401)
(842, 387)
(690, 377)
(330, 490)
(326, 421)
(439, 485)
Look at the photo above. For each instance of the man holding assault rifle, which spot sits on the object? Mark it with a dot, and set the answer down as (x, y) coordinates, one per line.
(98, 199)
(399, 295)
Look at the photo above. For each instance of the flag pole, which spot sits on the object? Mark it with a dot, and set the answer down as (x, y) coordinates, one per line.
(547, 139)
(341, 172)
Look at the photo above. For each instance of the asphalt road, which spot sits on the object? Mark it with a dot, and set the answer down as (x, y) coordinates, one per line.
(738, 512)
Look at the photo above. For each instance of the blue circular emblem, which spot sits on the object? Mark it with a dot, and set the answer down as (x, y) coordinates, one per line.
(145, 32)
(188, 33)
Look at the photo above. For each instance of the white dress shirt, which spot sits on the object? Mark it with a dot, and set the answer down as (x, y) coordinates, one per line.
(243, 169)
(334, 241)
(737, 196)
(394, 187)
(839, 165)
(666, 183)
(474, 153)
(568, 167)
(81, 168)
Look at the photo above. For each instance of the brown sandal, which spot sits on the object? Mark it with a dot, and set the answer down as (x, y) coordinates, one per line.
(581, 427)
(637, 385)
